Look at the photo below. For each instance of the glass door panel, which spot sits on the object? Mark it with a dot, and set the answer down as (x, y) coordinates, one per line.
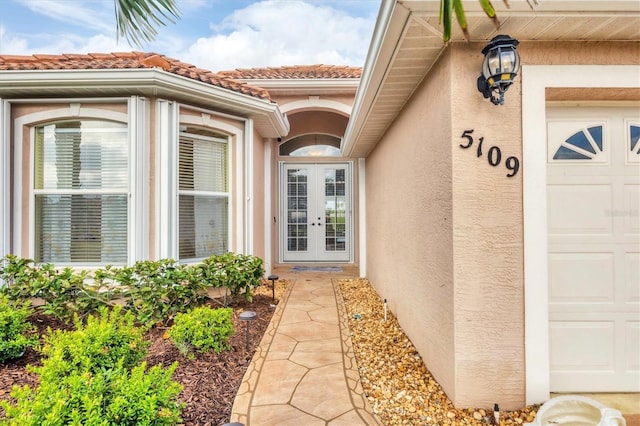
(297, 213)
(315, 203)
(335, 211)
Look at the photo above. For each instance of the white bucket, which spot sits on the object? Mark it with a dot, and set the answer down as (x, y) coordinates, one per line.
(574, 410)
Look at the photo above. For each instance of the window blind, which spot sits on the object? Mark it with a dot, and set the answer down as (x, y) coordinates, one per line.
(81, 192)
(203, 196)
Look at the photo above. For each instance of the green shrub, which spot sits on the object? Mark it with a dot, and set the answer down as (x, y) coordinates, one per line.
(238, 273)
(93, 375)
(202, 329)
(64, 293)
(16, 332)
(17, 275)
(103, 342)
(105, 397)
(156, 290)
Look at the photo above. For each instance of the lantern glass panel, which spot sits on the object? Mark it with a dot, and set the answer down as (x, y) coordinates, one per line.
(509, 61)
(491, 64)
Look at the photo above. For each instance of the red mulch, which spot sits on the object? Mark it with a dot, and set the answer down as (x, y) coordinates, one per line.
(210, 381)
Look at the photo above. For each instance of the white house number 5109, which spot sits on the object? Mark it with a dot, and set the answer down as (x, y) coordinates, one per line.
(494, 155)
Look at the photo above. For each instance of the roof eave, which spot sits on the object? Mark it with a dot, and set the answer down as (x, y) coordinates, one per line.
(305, 85)
(150, 82)
(394, 19)
(565, 6)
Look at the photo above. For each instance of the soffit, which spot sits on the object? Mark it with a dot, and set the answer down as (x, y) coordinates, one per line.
(412, 42)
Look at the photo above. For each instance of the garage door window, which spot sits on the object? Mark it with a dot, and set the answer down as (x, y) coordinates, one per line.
(634, 143)
(585, 144)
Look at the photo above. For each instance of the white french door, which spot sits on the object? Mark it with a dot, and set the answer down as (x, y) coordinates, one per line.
(315, 212)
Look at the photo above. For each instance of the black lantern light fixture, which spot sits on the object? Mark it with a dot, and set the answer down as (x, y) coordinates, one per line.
(499, 68)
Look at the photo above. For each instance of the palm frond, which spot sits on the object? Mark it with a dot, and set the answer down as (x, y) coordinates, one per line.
(446, 18)
(137, 20)
(448, 7)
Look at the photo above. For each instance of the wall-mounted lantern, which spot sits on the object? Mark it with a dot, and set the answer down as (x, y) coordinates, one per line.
(499, 68)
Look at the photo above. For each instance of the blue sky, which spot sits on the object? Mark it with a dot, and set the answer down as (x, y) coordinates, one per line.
(212, 34)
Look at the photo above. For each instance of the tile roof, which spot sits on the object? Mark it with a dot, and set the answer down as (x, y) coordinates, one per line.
(294, 72)
(127, 60)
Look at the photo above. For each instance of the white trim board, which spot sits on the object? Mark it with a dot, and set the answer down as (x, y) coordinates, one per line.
(535, 79)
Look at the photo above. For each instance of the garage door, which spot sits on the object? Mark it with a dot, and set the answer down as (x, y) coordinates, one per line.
(593, 199)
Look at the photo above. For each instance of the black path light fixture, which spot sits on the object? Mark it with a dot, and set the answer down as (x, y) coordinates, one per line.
(248, 316)
(499, 68)
(273, 279)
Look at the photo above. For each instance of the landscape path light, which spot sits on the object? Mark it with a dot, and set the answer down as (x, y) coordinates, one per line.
(499, 68)
(248, 316)
(273, 279)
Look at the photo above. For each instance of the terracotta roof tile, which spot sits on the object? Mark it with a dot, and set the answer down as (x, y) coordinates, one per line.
(127, 60)
(295, 72)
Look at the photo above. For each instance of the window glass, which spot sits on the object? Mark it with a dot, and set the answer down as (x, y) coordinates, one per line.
(203, 195)
(316, 151)
(585, 144)
(81, 192)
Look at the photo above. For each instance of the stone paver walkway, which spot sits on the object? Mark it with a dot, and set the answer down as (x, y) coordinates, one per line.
(304, 371)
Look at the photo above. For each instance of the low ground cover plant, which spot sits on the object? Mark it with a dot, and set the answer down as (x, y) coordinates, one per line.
(93, 375)
(16, 332)
(100, 342)
(202, 329)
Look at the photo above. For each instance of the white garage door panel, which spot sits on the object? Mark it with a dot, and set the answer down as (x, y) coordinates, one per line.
(631, 211)
(632, 344)
(568, 273)
(580, 209)
(593, 198)
(632, 278)
(595, 367)
(597, 357)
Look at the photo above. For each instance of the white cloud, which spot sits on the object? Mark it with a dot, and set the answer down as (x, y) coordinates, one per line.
(275, 32)
(12, 44)
(58, 45)
(264, 33)
(88, 14)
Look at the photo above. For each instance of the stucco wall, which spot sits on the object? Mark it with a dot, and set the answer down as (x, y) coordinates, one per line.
(409, 223)
(322, 122)
(580, 53)
(445, 223)
(487, 240)
(258, 196)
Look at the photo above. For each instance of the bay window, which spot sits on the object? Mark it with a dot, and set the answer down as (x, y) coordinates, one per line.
(81, 190)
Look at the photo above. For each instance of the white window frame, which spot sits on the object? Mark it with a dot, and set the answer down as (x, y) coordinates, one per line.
(79, 109)
(5, 178)
(240, 139)
(227, 194)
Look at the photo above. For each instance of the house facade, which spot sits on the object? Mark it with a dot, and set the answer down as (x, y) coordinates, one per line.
(114, 158)
(504, 238)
